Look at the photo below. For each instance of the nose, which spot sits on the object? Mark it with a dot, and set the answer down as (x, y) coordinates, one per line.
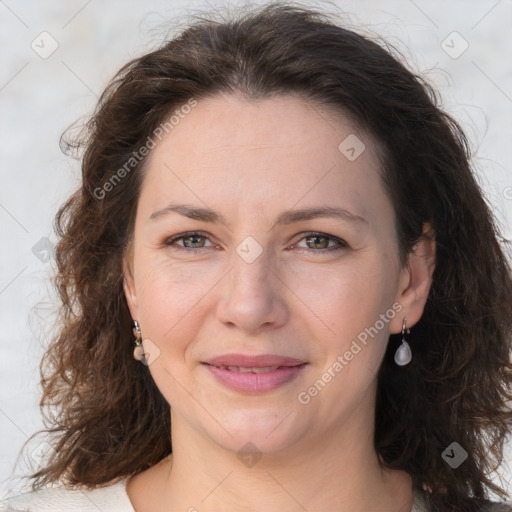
(253, 296)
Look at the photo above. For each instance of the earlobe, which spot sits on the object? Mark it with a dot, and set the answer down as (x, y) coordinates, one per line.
(417, 280)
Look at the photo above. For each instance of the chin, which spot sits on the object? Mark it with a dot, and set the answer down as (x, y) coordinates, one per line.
(258, 431)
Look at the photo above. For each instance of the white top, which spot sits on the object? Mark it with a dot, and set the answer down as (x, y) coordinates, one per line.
(60, 499)
(112, 499)
(115, 499)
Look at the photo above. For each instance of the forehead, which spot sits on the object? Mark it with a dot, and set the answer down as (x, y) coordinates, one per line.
(229, 121)
(282, 148)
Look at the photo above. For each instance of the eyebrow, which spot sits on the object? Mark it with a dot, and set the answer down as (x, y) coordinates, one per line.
(286, 217)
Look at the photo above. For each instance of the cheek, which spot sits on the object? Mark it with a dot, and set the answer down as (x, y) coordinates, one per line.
(346, 298)
(172, 305)
(350, 303)
(171, 301)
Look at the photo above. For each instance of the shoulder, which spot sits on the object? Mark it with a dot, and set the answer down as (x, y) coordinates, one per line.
(61, 499)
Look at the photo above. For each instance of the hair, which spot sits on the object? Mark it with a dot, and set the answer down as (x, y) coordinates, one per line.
(108, 419)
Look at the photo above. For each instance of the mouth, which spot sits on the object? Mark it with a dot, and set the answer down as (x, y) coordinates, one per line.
(254, 379)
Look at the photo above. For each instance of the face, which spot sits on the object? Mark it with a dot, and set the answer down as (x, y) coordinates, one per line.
(246, 275)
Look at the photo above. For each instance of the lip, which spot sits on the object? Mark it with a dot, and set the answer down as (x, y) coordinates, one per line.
(256, 361)
(254, 383)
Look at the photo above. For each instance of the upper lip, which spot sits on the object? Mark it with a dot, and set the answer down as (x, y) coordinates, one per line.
(255, 361)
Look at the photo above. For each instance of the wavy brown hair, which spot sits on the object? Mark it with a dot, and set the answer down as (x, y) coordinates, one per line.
(108, 419)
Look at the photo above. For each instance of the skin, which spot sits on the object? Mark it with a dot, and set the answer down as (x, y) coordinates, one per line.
(250, 161)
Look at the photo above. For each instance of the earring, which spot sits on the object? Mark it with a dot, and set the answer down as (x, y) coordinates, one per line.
(138, 351)
(403, 354)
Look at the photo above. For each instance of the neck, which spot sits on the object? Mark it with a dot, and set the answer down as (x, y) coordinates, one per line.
(336, 470)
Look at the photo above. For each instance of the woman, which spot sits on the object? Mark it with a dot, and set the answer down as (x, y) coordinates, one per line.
(282, 288)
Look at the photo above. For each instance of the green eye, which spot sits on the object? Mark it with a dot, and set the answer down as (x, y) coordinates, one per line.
(192, 242)
(315, 242)
(193, 239)
(321, 242)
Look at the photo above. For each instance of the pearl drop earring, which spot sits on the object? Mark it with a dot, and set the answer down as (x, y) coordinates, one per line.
(403, 354)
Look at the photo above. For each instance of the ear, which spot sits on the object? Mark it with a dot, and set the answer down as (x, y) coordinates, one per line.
(129, 289)
(415, 280)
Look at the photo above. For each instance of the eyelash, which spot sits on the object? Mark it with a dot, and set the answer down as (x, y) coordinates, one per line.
(341, 243)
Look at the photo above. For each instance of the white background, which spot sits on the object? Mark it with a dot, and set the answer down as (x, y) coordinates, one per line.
(40, 97)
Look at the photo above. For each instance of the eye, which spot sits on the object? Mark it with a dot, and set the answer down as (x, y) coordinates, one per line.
(192, 241)
(320, 242)
(315, 242)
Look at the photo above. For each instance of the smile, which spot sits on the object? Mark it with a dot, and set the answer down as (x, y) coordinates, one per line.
(254, 380)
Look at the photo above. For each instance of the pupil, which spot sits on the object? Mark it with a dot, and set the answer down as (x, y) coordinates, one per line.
(316, 238)
(193, 238)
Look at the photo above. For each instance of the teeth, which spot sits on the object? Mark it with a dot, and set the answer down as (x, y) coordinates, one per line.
(241, 369)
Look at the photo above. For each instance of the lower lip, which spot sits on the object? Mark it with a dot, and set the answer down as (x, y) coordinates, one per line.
(256, 382)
